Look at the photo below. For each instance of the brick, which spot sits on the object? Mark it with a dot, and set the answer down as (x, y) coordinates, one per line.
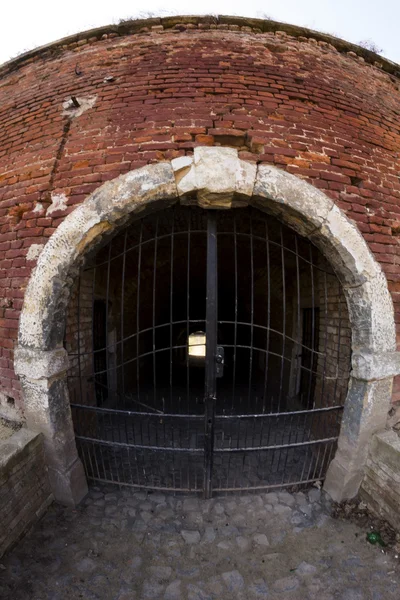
(24, 489)
(190, 90)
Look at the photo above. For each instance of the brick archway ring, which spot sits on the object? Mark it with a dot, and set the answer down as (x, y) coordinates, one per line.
(212, 178)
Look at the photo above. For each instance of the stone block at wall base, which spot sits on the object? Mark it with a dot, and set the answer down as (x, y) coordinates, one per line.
(69, 486)
(24, 486)
(380, 488)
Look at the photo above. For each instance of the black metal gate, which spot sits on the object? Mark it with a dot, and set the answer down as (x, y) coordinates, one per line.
(192, 368)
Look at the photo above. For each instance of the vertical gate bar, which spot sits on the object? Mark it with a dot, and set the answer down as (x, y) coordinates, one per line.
(122, 322)
(188, 313)
(312, 351)
(92, 452)
(229, 453)
(236, 307)
(154, 315)
(173, 456)
(331, 447)
(171, 312)
(234, 344)
(268, 316)
(283, 319)
(312, 327)
(122, 352)
(211, 346)
(100, 447)
(251, 310)
(93, 355)
(138, 313)
(79, 339)
(94, 446)
(237, 446)
(189, 224)
(338, 346)
(321, 415)
(283, 337)
(267, 340)
(117, 462)
(86, 458)
(298, 328)
(298, 342)
(128, 454)
(307, 450)
(107, 301)
(322, 463)
(287, 449)
(281, 450)
(288, 430)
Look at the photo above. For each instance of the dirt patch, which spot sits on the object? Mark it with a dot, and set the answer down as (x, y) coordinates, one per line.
(7, 428)
(356, 511)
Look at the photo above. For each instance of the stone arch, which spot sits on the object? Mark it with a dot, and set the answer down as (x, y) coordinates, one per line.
(213, 178)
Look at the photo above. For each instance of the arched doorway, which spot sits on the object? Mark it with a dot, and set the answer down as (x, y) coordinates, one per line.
(209, 350)
(214, 178)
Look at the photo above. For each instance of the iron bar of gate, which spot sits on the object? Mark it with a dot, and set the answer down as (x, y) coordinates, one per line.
(245, 433)
(338, 342)
(211, 347)
(162, 325)
(236, 308)
(122, 317)
(298, 345)
(78, 304)
(251, 306)
(107, 361)
(243, 449)
(268, 314)
(184, 346)
(171, 312)
(138, 308)
(242, 234)
(235, 327)
(188, 308)
(325, 345)
(312, 344)
(283, 334)
(154, 315)
(129, 413)
(312, 326)
(283, 318)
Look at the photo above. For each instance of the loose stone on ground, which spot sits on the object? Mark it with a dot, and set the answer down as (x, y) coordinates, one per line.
(126, 545)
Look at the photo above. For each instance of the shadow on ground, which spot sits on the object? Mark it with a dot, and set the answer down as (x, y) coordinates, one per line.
(127, 545)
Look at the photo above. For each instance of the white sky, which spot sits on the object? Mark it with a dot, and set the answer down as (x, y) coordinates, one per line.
(30, 23)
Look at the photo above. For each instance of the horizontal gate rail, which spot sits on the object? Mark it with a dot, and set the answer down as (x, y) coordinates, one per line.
(200, 417)
(132, 413)
(215, 450)
(138, 446)
(276, 446)
(209, 352)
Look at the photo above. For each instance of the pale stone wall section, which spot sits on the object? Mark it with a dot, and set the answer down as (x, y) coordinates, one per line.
(380, 488)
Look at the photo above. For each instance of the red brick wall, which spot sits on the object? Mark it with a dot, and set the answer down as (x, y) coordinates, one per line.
(302, 105)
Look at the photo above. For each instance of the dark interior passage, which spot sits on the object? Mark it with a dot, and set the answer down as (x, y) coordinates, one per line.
(139, 307)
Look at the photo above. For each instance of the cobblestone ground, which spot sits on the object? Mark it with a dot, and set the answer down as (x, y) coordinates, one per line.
(126, 545)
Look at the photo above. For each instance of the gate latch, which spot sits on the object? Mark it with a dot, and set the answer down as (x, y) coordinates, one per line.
(220, 361)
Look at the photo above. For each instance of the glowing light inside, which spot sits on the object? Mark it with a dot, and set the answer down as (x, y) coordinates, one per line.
(197, 344)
